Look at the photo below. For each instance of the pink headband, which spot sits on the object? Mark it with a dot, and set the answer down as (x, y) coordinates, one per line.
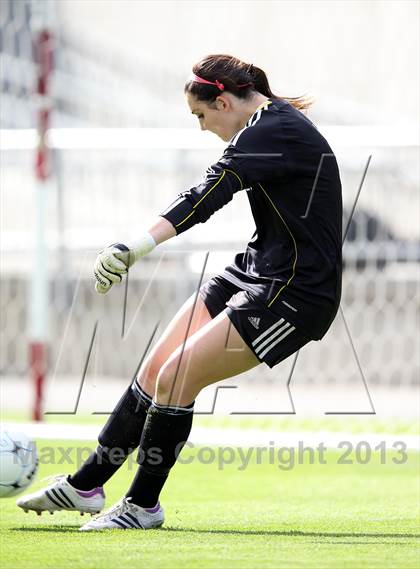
(198, 79)
(220, 86)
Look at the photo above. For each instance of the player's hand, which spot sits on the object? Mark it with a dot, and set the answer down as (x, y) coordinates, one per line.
(114, 261)
(109, 268)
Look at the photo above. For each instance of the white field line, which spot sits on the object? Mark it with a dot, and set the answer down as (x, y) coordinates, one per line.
(230, 437)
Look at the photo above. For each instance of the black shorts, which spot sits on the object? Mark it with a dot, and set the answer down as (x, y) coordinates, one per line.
(271, 337)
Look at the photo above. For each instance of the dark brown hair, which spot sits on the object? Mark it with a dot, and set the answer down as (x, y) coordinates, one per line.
(239, 78)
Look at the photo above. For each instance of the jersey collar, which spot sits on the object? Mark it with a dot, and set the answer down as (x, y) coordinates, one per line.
(263, 106)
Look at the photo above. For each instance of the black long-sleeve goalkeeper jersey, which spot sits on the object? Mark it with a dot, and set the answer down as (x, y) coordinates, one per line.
(293, 261)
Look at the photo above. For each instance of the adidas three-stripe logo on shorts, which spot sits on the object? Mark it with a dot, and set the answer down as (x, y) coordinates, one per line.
(266, 341)
(271, 337)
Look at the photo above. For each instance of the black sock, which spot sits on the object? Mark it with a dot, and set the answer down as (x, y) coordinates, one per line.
(165, 432)
(119, 437)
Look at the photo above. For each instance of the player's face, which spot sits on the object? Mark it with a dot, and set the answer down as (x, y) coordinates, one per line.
(215, 117)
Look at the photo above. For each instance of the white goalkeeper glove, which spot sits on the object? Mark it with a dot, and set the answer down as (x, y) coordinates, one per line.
(115, 260)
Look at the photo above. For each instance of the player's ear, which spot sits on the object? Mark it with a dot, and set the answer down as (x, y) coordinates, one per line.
(222, 103)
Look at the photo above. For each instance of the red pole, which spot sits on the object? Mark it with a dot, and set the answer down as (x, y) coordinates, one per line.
(38, 348)
(44, 61)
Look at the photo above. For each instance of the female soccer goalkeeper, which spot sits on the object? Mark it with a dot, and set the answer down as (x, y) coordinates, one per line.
(279, 294)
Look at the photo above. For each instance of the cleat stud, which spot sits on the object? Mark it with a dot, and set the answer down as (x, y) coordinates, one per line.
(82, 513)
(38, 513)
(26, 511)
(52, 513)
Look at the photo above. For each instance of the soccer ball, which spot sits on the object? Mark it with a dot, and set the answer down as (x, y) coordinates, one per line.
(18, 462)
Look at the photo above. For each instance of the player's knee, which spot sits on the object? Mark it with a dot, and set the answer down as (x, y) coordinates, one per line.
(147, 383)
(166, 382)
(148, 374)
(174, 385)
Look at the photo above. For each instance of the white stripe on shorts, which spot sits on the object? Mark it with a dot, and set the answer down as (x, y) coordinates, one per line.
(271, 346)
(264, 334)
(270, 338)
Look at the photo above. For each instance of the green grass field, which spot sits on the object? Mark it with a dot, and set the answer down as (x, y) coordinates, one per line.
(313, 515)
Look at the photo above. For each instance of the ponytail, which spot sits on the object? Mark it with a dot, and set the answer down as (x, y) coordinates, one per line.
(239, 78)
(262, 85)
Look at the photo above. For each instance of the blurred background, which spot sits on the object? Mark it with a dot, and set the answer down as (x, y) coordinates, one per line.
(96, 139)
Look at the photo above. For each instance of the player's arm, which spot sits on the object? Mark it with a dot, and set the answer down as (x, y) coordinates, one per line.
(193, 206)
(197, 204)
(162, 230)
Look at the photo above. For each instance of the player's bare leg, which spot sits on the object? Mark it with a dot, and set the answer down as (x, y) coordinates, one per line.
(214, 352)
(192, 316)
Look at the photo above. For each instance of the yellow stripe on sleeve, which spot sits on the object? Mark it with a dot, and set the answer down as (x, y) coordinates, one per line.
(235, 174)
(183, 221)
(211, 189)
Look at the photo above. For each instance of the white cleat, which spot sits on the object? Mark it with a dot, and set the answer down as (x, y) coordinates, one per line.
(61, 495)
(125, 515)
